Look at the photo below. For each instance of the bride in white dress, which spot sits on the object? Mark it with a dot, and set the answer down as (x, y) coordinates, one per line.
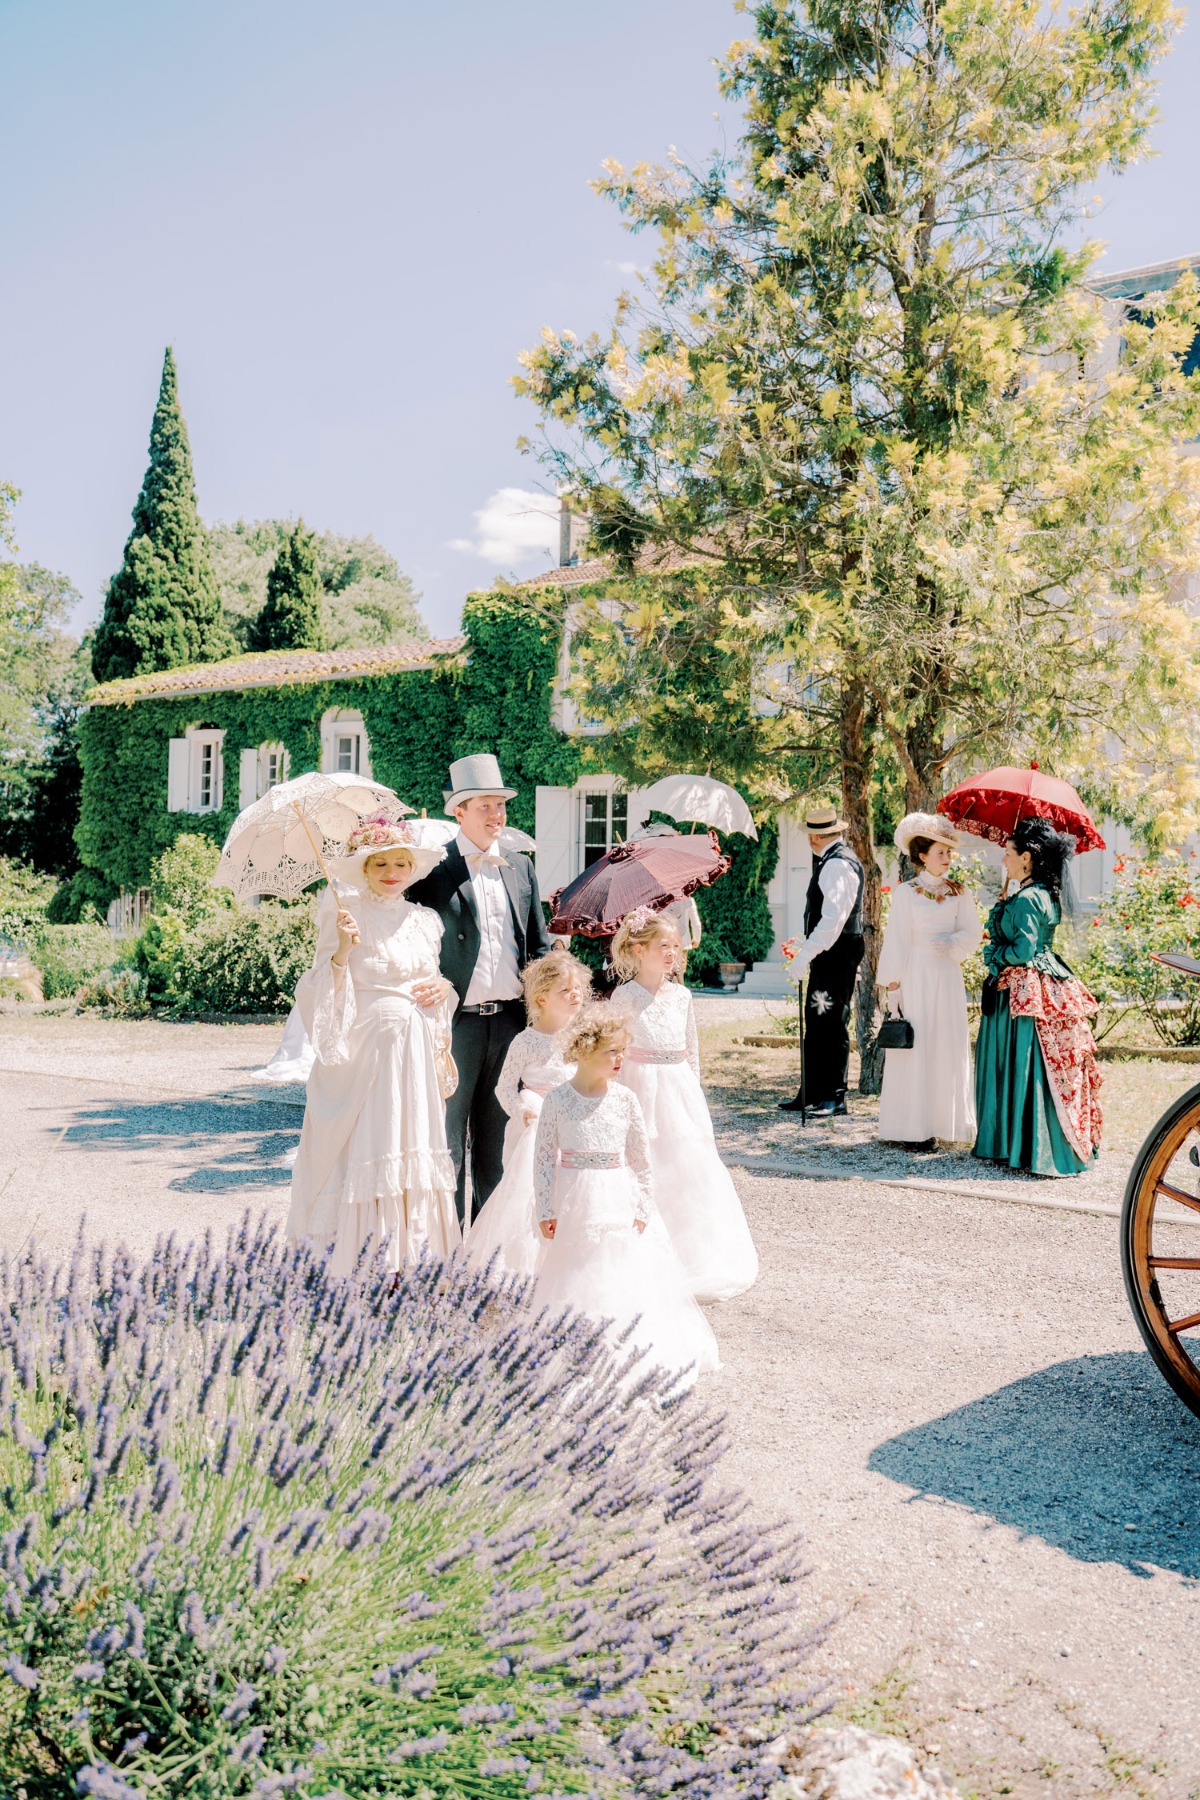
(933, 926)
(373, 1162)
(555, 986)
(694, 1190)
(606, 1252)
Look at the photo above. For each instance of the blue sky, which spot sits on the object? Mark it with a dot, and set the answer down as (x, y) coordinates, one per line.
(348, 218)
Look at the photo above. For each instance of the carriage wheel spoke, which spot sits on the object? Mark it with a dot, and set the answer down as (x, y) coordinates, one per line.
(1173, 1193)
(1177, 1325)
(1174, 1262)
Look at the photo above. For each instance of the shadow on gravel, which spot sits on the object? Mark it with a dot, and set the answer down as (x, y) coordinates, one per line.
(233, 1145)
(1075, 1454)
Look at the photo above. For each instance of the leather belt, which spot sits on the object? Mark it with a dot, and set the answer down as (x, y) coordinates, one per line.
(487, 1008)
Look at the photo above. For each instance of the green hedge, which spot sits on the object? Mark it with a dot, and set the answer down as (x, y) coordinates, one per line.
(735, 912)
(24, 897)
(69, 955)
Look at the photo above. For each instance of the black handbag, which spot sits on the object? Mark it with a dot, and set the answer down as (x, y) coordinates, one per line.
(989, 998)
(896, 1033)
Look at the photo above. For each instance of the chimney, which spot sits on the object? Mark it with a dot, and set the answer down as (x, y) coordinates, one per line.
(566, 549)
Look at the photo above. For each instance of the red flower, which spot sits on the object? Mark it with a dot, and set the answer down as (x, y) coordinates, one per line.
(886, 888)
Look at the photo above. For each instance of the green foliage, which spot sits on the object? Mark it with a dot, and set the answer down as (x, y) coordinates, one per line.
(233, 962)
(735, 912)
(85, 896)
(162, 609)
(69, 955)
(24, 897)
(368, 598)
(1153, 905)
(292, 616)
(181, 880)
(44, 673)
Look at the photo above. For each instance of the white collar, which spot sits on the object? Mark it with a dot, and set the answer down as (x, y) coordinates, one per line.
(477, 858)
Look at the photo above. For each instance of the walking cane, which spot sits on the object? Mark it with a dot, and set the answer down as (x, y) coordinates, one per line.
(803, 1068)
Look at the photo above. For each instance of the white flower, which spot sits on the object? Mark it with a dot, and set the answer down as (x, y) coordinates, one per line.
(821, 1002)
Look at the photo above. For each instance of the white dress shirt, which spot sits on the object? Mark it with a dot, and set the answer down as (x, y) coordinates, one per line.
(838, 881)
(497, 975)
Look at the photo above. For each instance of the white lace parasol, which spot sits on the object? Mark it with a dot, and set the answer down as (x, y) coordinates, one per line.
(279, 845)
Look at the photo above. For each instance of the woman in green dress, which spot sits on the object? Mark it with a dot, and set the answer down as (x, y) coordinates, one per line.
(1036, 1076)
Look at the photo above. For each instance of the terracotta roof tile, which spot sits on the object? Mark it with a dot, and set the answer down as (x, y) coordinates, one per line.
(274, 668)
(597, 569)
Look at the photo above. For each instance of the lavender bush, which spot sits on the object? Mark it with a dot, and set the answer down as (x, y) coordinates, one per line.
(267, 1533)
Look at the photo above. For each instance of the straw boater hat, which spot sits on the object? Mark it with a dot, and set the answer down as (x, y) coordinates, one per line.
(377, 834)
(924, 825)
(823, 821)
(472, 776)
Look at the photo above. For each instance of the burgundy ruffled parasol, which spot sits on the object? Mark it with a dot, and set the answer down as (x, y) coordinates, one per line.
(648, 872)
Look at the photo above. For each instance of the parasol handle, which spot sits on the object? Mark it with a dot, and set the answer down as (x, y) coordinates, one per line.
(316, 848)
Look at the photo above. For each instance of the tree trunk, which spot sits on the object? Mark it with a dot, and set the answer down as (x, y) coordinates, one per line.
(857, 755)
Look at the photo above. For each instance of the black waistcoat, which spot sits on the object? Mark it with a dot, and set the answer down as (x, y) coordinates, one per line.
(815, 899)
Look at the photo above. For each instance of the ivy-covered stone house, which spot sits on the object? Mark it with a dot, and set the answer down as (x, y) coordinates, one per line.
(185, 749)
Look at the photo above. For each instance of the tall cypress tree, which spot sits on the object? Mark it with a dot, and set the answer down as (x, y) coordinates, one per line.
(293, 615)
(162, 609)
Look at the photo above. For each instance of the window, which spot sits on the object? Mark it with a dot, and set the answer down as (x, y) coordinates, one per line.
(605, 822)
(195, 771)
(272, 767)
(344, 746)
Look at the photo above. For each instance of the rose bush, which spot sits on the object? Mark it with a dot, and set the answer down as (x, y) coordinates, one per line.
(1154, 904)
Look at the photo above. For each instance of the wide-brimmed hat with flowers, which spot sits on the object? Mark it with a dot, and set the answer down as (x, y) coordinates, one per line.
(924, 825)
(381, 833)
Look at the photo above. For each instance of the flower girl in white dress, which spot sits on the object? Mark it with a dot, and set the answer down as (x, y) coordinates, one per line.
(694, 1189)
(556, 986)
(373, 1162)
(606, 1252)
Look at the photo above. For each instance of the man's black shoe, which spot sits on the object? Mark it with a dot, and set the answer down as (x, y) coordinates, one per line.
(796, 1105)
(820, 1109)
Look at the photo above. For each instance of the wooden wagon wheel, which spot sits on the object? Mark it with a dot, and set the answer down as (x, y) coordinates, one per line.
(1160, 1257)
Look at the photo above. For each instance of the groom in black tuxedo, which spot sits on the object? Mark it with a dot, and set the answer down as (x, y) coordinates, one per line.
(493, 926)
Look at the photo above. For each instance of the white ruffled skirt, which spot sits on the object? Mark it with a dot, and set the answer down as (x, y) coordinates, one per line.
(373, 1162)
(506, 1227)
(693, 1188)
(599, 1263)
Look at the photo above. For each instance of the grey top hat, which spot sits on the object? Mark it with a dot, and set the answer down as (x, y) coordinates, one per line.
(474, 775)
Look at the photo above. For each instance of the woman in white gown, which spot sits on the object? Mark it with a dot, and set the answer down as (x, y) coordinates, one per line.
(556, 986)
(693, 1188)
(373, 1162)
(606, 1252)
(933, 926)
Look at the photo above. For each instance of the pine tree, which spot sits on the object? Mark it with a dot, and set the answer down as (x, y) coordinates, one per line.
(293, 616)
(162, 609)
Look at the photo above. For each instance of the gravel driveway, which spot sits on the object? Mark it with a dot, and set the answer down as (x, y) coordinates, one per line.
(947, 1393)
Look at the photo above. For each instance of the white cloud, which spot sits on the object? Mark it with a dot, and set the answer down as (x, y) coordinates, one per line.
(625, 268)
(512, 526)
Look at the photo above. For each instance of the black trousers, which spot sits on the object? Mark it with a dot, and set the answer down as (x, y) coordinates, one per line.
(831, 979)
(475, 1119)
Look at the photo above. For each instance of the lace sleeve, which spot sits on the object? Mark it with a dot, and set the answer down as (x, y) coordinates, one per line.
(508, 1088)
(545, 1160)
(692, 1039)
(637, 1155)
(897, 938)
(327, 1005)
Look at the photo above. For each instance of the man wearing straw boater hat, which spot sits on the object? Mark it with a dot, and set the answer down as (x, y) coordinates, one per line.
(829, 955)
(493, 925)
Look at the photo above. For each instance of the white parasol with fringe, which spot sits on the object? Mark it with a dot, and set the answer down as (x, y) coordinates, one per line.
(279, 844)
(701, 799)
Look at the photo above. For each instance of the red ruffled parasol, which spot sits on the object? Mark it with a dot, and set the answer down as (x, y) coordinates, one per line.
(649, 872)
(991, 805)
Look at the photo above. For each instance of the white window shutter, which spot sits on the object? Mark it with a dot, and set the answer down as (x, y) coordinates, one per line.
(177, 775)
(247, 779)
(554, 832)
(219, 773)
